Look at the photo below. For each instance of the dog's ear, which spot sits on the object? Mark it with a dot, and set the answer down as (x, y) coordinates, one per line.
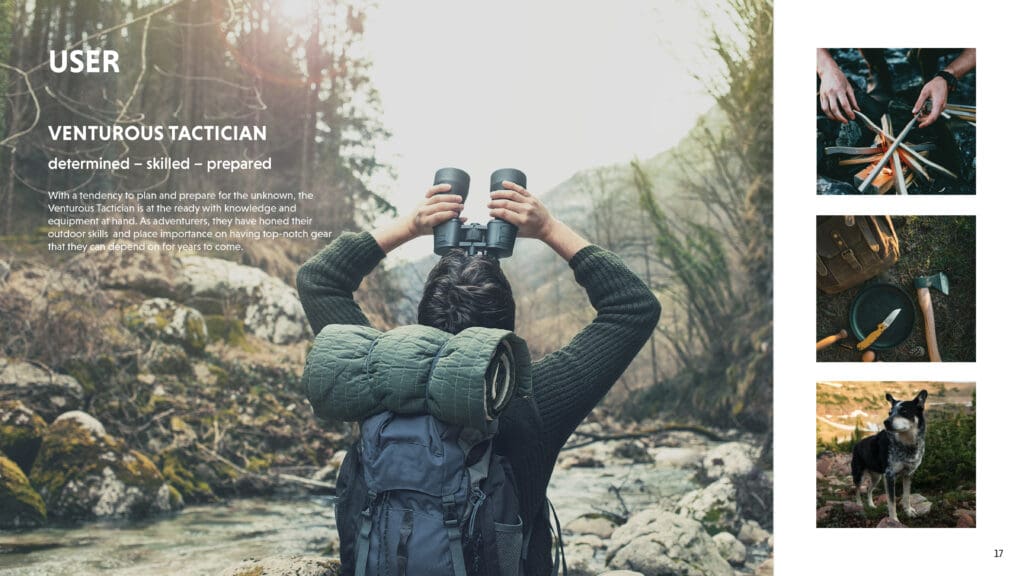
(921, 397)
(890, 398)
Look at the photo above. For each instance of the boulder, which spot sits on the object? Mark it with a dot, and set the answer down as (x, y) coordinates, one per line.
(920, 505)
(285, 566)
(170, 322)
(713, 506)
(729, 459)
(168, 359)
(766, 568)
(658, 542)
(965, 518)
(21, 433)
(829, 187)
(20, 505)
(580, 556)
(82, 472)
(676, 457)
(594, 524)
(269, 308)
(752, 534)
(580, 458)
(730, 548)
(890, 523)
(151, 272)
(46, 392)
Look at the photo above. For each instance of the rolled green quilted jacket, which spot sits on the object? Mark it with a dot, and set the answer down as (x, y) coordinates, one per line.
(354, 372)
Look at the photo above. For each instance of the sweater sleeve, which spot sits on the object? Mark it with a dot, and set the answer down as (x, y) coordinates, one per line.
(327, 280)
(569, 382)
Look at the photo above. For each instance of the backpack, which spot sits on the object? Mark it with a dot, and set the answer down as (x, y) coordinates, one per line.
(854, 249)
(417, 496)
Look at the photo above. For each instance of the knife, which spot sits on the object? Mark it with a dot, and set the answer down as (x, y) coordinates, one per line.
(870, 339)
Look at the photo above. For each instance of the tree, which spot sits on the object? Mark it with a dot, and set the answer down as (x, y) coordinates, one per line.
(194, 63)
(720, 257)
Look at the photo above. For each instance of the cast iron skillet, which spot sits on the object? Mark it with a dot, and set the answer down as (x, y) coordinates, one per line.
(872, 305)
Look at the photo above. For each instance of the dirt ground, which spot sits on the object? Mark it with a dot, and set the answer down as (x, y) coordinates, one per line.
(928, 244)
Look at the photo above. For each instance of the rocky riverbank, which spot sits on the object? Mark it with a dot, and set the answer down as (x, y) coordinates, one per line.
(168, 383)
(672, 503)
(164, 381)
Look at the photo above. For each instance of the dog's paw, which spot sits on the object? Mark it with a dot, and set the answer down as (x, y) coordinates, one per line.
(870, 502)
(910, 512)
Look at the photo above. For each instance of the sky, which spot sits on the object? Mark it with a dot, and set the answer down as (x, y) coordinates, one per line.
(549, 88)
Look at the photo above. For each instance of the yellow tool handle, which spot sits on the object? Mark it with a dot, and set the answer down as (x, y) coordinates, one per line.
(872, 337)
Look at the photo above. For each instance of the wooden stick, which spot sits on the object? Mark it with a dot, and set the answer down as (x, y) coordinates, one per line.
(888, 154)
(860, 160)
(908, 149)
(897, 166)
(917, 168)
(853, 150)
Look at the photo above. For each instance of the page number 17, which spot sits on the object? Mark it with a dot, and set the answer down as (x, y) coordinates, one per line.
(999, 552)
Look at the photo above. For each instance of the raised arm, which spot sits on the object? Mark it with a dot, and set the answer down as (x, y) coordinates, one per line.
(569, 382)
(327, 281)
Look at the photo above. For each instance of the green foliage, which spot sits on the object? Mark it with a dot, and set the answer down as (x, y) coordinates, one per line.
(950, 452)
(720, 260)
(20, 505)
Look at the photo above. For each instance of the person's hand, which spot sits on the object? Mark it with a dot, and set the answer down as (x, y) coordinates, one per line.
(836, 93)
(436, 209)
(516, 205)
(935, 90)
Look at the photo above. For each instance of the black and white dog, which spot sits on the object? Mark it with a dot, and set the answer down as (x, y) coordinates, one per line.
(896, 451)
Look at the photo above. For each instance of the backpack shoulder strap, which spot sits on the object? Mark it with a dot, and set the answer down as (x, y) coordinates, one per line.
(559, 547)
(363, 544)
(451, 524)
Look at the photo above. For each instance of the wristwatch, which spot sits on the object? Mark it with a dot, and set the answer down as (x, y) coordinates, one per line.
(951, 80)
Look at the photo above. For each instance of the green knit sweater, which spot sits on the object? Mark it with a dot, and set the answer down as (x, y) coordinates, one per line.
(568, 383)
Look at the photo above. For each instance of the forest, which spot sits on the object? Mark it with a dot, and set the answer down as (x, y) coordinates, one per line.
(193, 381)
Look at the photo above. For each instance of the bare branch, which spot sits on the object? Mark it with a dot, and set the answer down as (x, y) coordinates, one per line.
(35, 101)
(142, 73)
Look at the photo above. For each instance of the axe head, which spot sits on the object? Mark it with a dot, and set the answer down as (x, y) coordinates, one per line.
(940, 281)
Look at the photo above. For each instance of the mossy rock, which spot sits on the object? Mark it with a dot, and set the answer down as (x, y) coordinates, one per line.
(94, 373)
(168, 359)
(170, 322)
(82, 472)
(21, 433)
(46, 392)
(20, 505)
(176, 466)
(229, 331)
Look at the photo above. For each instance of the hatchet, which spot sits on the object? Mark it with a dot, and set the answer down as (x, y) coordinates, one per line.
(924, 284)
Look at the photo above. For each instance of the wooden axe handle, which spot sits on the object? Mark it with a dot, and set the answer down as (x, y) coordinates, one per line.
(924, 298)
(830, 340)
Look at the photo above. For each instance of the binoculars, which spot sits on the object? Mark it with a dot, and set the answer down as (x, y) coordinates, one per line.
(496, 239)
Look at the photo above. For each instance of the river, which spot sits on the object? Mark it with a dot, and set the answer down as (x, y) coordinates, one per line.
(207, 539)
